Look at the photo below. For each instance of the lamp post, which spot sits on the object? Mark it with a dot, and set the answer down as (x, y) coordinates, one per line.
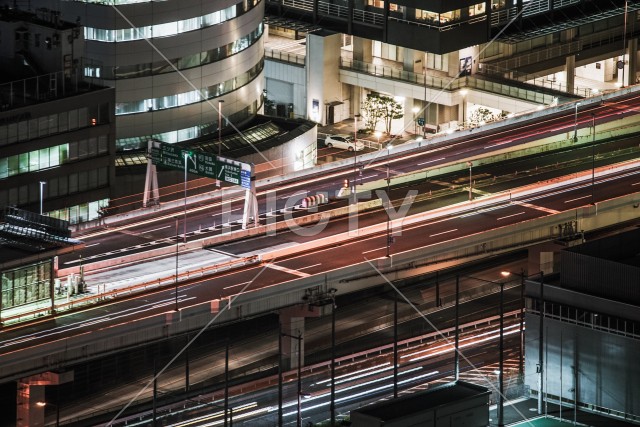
(42, 184)
(624, 41)
(299, 338)
(415, 110)
(501, 346)
(355, 152)
(575, 123)
(470, 182)
(176, 279)
(522, 276)
(593, 158)
(219, 133)
(45, 404)
(388, 204)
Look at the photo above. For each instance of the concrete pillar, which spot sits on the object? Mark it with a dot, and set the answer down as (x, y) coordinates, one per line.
(632, 66)
(567, 36)
(570, 72)
(30, 397)
(323, 53)
(412, 60)
(292, 320)
(409, 116)
(362, 50)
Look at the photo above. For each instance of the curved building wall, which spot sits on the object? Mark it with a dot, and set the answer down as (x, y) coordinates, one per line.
(171, 61)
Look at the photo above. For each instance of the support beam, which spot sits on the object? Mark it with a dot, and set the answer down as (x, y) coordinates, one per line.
(31, 398)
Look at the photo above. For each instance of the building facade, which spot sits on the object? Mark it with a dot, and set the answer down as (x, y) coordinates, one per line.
(57, 132)
(171, 62)
(453, 64)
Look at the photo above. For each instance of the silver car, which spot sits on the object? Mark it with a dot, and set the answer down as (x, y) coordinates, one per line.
(343, 141)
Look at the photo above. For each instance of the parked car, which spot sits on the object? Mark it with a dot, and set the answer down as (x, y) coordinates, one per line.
(343, 141)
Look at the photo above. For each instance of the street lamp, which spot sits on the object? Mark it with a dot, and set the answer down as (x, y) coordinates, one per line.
(470, 183)
(219, 133)
(44, 404)
(42, 184)
(593, 158)
(624, 42)
(522, 276)
(415, 123)
(575, 124)
(501, 348)
(176, 278)
(389, 147)
(355, 152)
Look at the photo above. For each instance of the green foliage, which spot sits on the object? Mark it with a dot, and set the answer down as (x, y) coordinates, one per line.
(484, 115)
(380, 107)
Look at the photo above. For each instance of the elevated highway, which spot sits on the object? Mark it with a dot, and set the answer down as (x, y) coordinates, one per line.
(343, 258)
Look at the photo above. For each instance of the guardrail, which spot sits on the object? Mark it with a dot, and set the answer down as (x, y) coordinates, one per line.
(89, 300)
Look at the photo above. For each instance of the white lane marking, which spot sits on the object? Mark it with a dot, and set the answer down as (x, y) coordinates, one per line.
(288, 270)
(577, 198)
(156, 229)
(93, 244)
(540, 208)
(235, 286)
(509, 216)
(372, 250)
(444, 232)
(430, 161)
(310, 266)
(635, 183)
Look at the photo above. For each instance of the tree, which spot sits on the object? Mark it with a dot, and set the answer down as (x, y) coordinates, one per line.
(484, 115)
(371, 112)
(380, 107)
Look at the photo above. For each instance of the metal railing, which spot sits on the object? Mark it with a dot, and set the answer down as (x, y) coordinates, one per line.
(42, 88)
(279, 55)
(335, 10)
(446, 83)
(368, 17)
(44, 308)
(532, 79)
(299, 4)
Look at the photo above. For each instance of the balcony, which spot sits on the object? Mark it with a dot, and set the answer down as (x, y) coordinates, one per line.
(437, 37)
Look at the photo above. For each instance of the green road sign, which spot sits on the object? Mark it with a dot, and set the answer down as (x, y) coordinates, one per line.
(229, 172)
(206, 165)
(202, 164)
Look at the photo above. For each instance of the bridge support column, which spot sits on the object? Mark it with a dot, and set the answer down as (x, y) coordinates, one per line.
(292, 328)
(632, 66)
(30, 399)
(570, 71)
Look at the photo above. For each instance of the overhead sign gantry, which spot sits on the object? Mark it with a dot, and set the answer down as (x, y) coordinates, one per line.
(202, 164)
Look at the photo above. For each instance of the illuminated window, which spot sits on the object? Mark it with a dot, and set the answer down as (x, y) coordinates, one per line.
(477, 9)
(191, 97)
(167, 29)
(197, 59)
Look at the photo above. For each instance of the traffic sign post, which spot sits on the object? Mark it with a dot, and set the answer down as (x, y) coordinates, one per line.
(209, 166)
